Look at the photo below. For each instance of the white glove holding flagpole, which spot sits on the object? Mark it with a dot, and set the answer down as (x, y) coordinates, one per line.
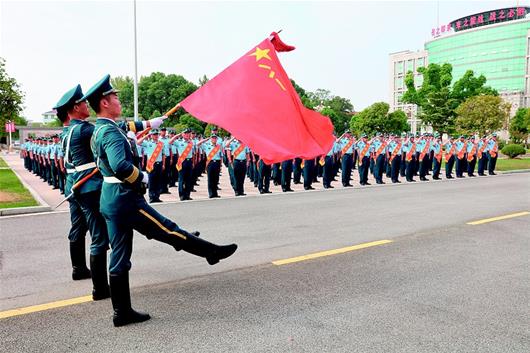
(145, 178)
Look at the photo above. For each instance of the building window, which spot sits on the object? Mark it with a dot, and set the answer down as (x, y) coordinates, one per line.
(420, 62)
(398, 83)
(410, 65)
(398, 67)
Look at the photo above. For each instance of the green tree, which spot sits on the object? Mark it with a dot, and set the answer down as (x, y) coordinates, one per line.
(159, 92)
(376, 118)
(125, 85)
(520, 126)
(437, 100)
(193, 123)
(304, 97)
(11, 100)
(203, 80)
(482, 114)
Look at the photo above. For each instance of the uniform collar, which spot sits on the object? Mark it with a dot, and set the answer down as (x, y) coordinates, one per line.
(105, 120)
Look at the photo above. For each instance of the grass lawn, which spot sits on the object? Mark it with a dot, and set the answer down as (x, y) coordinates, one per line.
(504, 165)
(12, 192)
(2, 163)
(513, 164)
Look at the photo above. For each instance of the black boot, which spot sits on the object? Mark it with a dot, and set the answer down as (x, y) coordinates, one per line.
(98, 266)
(121, 302)
(78, 258)
(178, 247)
(212, 252)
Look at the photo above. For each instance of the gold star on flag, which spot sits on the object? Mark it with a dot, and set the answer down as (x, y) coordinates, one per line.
(261, 53)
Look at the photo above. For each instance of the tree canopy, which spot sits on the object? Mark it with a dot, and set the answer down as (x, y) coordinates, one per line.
(520, 125)
(376, 118)
(11, 100)
(483, 114)
(437, 100)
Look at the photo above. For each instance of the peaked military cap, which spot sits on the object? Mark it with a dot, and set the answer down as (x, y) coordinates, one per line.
(73, 96)
(364, 135)
(494, 134)
(403, 134)
(163, 129)
(153, 132)
(187, 130)
(99, 90)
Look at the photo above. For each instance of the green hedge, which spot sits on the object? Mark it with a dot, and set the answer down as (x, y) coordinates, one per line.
(513, 150)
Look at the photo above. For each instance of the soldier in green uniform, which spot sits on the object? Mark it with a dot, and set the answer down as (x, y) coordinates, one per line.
(79, 227)
(123, 203)
(81, 162)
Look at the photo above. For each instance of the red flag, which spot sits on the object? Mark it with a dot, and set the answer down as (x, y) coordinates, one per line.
(254, 99)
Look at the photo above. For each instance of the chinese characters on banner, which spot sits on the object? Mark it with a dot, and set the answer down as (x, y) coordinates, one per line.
(484, 18)
(10, 126)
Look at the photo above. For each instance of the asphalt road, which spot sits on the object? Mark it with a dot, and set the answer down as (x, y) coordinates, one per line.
(441, 285)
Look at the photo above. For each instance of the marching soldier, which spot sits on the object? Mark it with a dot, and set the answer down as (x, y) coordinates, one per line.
(124, 206)
(460, 156)
(493, 148)
(471, 156)
(378, 153)
(450, 153)
(394, 155)
(482, 155)
(437, 152)
(327, 163)
(164, 176)
(424, 148)
(213, 150)
(347, 146)
(79, 227)
(237, 158)
(409, 152)
(363, 148)
(297, 171)
(287, 171)
(264, 177)
(402, 166)
(185, 151)
(154, 150)
(80, 162)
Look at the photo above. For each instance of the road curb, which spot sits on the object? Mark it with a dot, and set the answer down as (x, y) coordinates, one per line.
(43, 206)
(24, 210)
(517, 171)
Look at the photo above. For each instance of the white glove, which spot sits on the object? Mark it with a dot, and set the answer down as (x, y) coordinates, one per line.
(145, 178)
(132, 136)
(156, 122)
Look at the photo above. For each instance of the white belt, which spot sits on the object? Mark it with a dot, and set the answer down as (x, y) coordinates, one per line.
(70, 171)
(112, 180)
(85, 166)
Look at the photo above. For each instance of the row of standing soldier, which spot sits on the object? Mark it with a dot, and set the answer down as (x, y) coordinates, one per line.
(185, 157)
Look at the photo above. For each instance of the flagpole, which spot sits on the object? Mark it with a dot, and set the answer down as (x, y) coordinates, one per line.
(135, 68)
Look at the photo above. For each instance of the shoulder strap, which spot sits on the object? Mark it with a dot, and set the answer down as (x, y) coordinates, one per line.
(68, 138)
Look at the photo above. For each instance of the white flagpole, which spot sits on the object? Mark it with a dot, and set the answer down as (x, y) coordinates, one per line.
(136, 118)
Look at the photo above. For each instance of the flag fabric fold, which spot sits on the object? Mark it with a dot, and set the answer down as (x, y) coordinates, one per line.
(255, 101)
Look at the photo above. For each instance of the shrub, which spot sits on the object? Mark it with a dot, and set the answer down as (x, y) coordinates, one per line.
(513, 150)
(501, 144)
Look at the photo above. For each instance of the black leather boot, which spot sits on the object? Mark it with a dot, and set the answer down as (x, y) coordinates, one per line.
(121, 302)
(212, 252)
(78, 258)
(98, 266)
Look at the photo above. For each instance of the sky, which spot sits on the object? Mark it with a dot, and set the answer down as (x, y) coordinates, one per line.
(341, 46)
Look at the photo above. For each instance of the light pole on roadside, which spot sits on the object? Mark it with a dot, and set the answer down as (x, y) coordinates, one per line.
(136, 118)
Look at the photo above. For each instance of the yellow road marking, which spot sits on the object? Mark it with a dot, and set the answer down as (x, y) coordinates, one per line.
(330, 252)
(42, 307)
(500, 218)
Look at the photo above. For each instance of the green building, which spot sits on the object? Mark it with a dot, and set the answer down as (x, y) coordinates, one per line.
(493, 43)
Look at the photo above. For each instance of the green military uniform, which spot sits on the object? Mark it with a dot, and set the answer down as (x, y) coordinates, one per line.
(125, 208)
(78, 228)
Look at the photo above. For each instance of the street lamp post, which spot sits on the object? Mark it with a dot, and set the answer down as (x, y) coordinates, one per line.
(136, 118)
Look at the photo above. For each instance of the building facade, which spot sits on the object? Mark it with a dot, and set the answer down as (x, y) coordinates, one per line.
(400, 64)
(493, 43)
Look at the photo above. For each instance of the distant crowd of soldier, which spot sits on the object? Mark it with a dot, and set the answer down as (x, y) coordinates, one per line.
(181, 159)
